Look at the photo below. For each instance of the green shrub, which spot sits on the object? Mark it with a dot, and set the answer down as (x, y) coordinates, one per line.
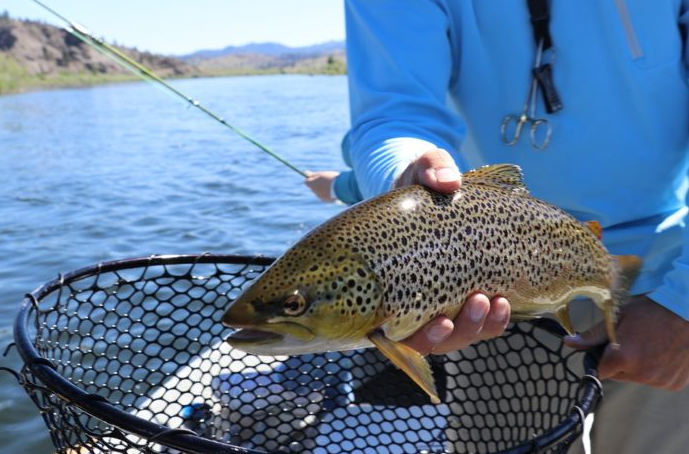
(12, 75)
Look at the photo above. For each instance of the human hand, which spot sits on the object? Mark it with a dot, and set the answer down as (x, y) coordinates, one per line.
(434, 169)
(654, 346)
(321, 183)
(480, 318)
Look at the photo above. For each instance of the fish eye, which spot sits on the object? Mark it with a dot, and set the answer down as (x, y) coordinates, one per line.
(294, 305)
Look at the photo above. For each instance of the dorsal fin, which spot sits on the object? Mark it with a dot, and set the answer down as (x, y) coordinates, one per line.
(595, 227)
(505, 176)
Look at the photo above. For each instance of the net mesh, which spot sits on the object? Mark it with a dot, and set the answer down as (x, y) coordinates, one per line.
(141, 345)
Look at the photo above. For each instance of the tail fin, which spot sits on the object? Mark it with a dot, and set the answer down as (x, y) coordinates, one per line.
(627, 268)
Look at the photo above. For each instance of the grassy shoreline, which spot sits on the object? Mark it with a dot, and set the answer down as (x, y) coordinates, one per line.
(15, 79)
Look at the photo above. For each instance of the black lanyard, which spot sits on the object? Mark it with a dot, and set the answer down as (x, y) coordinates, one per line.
(539, 12)
(540, 22)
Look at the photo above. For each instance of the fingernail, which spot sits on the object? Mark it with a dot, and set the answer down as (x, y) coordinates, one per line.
(501, 314)
(576, 338)
(447, 174)
(477, 313)
(437, 334)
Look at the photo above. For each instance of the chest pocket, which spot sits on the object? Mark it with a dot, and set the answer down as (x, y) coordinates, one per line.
(650, 30)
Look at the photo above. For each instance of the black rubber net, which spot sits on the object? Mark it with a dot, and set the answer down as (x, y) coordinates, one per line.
(129, 357)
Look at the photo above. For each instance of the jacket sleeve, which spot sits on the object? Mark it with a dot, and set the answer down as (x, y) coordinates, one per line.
(400, 65)
(346, 189)
(673, 294)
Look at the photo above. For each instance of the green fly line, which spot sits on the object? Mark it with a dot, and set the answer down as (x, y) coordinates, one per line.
(145, 73)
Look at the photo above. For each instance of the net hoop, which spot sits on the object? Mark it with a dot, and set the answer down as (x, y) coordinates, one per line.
(187, 441)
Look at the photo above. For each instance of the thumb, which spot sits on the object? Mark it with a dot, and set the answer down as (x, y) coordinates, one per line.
(434, 169)
(437, 170)
(588, 339)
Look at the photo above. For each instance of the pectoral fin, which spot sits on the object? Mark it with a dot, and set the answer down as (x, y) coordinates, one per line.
(409, 360)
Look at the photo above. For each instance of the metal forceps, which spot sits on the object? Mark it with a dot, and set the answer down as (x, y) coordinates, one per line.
(528, 116)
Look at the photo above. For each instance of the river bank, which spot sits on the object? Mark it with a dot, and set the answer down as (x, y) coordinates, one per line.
(38, 56)
(14, 80)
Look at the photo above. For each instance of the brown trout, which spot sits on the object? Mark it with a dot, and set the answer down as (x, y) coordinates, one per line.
(377, 272)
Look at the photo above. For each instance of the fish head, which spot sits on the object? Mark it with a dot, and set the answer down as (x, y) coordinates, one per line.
(306, 302)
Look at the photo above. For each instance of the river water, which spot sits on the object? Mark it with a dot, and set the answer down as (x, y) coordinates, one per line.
(117, 171)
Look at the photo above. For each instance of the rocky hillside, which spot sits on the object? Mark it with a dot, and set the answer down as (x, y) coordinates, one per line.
(34, 54)
(235, 64)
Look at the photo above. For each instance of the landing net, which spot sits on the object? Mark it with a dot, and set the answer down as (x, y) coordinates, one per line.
(129, 357)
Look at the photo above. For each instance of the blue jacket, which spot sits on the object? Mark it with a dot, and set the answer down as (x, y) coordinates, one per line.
(445, 73)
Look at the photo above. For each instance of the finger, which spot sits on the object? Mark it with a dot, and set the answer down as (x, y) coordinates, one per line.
(588, 339)
(611, 365)
(620, 371)
(497, 319)
(468, 324)
(433, 333)
(437, 170)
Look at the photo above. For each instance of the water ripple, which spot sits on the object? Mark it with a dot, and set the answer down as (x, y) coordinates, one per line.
(123, 170)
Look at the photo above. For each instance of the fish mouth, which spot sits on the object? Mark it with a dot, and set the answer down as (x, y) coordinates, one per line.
(252, 336)
(270, 333)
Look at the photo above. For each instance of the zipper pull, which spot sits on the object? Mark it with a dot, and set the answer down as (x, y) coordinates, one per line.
(551, 98)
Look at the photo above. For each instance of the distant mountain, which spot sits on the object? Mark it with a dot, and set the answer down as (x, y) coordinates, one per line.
(271, 58)
(271, 49)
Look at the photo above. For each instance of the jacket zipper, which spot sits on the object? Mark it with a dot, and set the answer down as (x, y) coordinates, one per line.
(632, 41)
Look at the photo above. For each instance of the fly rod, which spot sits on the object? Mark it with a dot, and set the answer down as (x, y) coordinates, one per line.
(146, 73)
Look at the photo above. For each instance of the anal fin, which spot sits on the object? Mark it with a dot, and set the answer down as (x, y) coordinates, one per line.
(409, 360)
(562, 316)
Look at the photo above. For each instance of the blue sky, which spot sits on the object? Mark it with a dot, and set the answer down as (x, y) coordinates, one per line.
(183, 26)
